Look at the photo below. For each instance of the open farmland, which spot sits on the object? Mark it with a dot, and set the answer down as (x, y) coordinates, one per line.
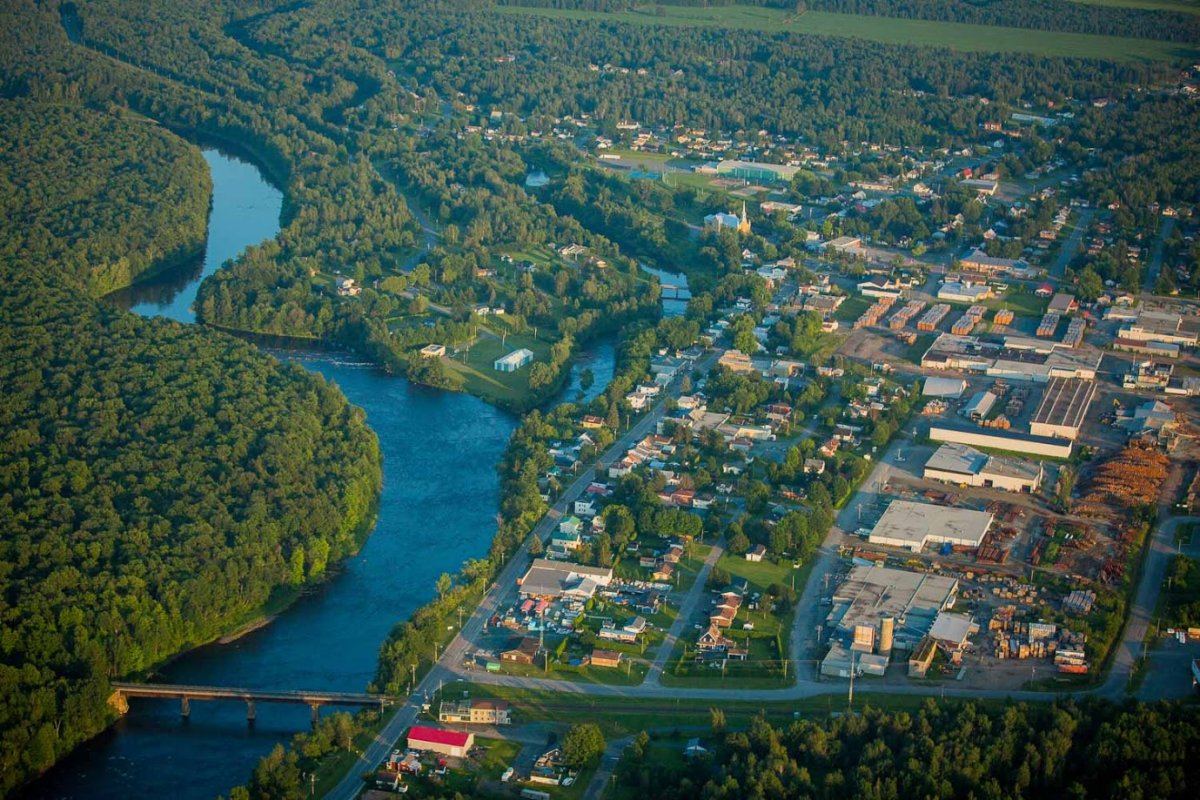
(889, 30)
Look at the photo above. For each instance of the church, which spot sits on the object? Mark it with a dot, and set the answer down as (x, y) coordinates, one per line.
(720, 220)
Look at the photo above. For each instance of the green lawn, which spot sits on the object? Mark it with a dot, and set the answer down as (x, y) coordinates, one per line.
(889, 30)
(626, 716)
(476, 365)
(852, 308)
(760, 574)
(1183, 6)
(1021, 303)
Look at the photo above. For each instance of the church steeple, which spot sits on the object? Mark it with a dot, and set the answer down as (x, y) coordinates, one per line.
(744, 224)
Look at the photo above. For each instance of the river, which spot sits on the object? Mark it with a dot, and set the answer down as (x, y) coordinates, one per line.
(438, 506)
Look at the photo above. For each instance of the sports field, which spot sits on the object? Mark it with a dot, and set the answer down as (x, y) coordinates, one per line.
(889, 30)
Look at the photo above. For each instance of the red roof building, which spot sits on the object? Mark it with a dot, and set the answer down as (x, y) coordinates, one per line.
(440, 740)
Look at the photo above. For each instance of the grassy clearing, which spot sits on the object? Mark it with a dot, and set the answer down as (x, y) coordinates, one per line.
(1182, 6)
(889, 30)
(852, 308)
(1021, 303)
(624, 717)
(476, 364)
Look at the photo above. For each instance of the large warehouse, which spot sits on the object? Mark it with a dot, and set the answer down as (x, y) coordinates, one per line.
(964, 465)
(877, 608)
(914, 525)
(552, 579)
(1049, 446)
(1063, 408)
(438, 740)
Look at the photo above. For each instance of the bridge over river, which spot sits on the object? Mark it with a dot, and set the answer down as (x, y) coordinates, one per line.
(122, 691)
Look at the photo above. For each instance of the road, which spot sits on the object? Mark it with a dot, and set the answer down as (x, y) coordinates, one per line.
(687, 610)
(1158, 557)
(608, 765)
(1156, 256)
(1071, 246)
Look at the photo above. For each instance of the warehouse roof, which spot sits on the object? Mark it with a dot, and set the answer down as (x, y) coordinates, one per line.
(912, 599)
(1065, 402)
(957, 458)
(944, 387)
(913, 525)
(553, 578)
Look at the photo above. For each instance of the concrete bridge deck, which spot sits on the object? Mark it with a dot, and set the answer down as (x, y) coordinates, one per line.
(122, 690)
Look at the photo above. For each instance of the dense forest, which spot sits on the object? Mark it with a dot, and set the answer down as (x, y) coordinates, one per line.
(159, 483)
(143, 201)
(1065, 16)
(823, 90)
(955, 750)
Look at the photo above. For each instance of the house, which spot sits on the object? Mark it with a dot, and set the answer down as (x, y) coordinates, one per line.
(663, 572)
(591, 422)
(476, 711)
(571, 524)
(433, 350)
(437, 740)
(756, 553)
(814, 466)
(627, 634)
(585, 508)
(606, 658)
(712, 639)
(524, 653)
(346, 287)
(513, 361)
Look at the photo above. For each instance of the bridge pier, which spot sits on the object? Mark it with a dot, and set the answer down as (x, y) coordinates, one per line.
(250, 712)
(316, 713)
(185, 707)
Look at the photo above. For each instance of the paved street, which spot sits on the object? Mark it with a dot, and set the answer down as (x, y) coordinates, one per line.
(1071, 246)
(687, 609)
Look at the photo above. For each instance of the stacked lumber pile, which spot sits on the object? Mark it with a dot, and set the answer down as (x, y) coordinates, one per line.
(1131, 478)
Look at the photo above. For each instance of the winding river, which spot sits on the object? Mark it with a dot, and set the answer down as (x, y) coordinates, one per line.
(440, 495)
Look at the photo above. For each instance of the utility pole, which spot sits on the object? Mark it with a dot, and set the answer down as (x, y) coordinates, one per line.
(460, 613)
(542, 642)
(850, 695)
(413, 669)
(435, 655)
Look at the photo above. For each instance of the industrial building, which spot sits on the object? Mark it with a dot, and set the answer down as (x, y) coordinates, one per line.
(513, 361)
(944, 387)
(964, 465)
(876, 610)
(965, 292)
(1018, 359)
(996, 439)
(552, 579)
(1160, 326)
(1063, 408)
(914, 525)
(978, 407)
(436, 740)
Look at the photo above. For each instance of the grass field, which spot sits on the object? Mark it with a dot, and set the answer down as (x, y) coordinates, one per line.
(477, 369)
(624, 717)
(1183, 6)
(889, 30)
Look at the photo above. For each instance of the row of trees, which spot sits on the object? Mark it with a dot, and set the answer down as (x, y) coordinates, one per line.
(1095, 749)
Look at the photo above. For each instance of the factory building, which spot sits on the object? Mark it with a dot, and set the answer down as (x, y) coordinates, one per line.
(1049, 447)
(912, 526)
(964, 465)
(877, 610)
(1063, 408)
